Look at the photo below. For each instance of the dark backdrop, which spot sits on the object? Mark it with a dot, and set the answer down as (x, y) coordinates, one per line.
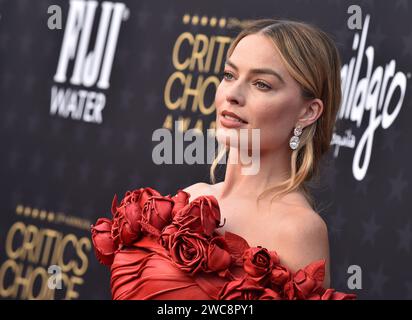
(60, 166)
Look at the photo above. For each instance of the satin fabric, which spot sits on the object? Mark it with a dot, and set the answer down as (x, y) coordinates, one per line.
(165, 248)
(146, 272)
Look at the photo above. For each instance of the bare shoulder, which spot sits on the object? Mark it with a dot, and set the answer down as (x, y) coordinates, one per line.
(302, 238)
(199, 189)
(302, 223)
(298, 218)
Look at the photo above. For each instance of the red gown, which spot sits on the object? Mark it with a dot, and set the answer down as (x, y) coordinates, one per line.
(165, 248)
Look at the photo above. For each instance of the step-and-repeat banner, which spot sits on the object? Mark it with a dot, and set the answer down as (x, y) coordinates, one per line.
(84, 84)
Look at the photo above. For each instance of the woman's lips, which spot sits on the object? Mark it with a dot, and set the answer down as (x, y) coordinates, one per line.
(231, 122)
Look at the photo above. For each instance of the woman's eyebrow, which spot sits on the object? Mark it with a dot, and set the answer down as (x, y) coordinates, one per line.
(257, 70)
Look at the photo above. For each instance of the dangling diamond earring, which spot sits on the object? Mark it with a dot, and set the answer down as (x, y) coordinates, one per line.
(294, 141)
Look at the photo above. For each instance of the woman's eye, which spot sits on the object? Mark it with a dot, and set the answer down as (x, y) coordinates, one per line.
(264, 85)
(225, 74)
(260, 84)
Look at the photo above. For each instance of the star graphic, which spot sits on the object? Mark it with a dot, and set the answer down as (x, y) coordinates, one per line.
(390, 139)
(64, 205)
(7, 80)
(124, 54)
(22, 6)
(304, 2)
(152, 101)
(40, 201)
(56, 127)
(59, 167)
(370, 228)
(16, 196)
(135, 180)
(405, 237)
(146, 58)
(378, 279)
(336, 223)
(168, 20)
(402, 5)
(33, 122)
(84, 171)
(398, 185)
(377, 37)
(80, 132)
(161, 184)
(167, 64)
(13, 159)
(105, 134)
(9, 119)
(130, 138)
(126, 98)
(343, 37)
(330, 172)
(50, 49)
(408, 286)
(407, 44)
(29, 82)
(363, 186)
(35, 163)
(143, 17)
(335, 3)
(26, 43)
(369, 3)
(108, 177)
(88, 210)
(4, 40)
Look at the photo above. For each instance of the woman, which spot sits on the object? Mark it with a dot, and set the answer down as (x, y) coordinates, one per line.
(282, 78)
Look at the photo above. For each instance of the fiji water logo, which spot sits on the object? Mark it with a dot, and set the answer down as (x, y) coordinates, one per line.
(80, 64)
(380, 92)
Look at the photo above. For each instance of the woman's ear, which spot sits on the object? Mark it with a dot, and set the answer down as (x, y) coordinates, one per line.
(311, 112)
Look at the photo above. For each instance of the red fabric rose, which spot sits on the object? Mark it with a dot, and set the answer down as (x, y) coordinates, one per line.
(307, 283)
(104, 247)
(140, 196)
(202, 215)
(181, 199)
(157, 212)
(236, 247)
(246, 289)
(332, 294)
(232, 270)
(280, 275)
(258, 262)
(165, 235)
(269, 294)
(126, 227)
(218, 258)
(188, 250)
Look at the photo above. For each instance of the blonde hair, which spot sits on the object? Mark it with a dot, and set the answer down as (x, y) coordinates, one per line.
(312, 59)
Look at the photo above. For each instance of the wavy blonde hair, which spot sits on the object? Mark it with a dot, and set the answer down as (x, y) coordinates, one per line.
(312, 59)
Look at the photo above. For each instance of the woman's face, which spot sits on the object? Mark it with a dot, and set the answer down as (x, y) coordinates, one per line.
(257, 88)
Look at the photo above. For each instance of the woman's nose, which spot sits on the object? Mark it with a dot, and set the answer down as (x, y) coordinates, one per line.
(235, 96)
